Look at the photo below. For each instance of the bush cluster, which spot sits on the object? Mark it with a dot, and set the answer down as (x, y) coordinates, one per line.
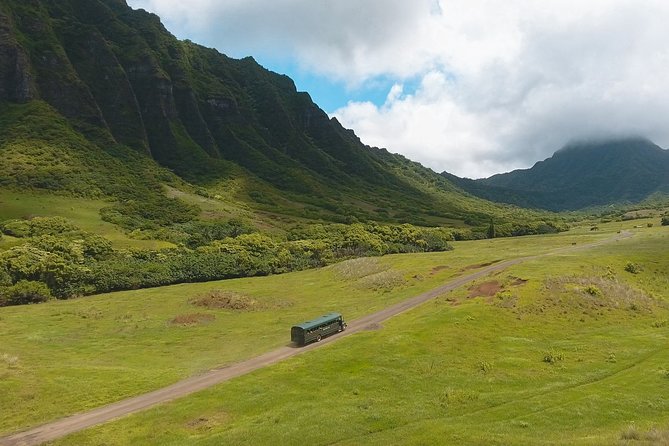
(57, 259)
(512, 229)
(632, 267)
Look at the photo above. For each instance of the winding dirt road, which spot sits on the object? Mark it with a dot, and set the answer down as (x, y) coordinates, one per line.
(77, 422)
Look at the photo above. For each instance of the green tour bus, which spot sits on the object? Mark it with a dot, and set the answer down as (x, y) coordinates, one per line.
(310, 331)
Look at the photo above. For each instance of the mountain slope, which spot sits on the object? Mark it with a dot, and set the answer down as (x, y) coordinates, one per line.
(121, 80)
(581, 175)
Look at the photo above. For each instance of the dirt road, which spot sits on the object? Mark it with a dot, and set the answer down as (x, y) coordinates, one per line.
(77, 422)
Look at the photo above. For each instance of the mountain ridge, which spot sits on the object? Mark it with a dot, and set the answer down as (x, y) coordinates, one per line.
(120, 79)
(580, 175)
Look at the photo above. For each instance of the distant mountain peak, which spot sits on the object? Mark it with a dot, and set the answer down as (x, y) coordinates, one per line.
(582, 174)
(606, 143)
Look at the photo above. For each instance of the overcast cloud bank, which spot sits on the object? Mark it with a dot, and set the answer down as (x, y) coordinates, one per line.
(502, 84)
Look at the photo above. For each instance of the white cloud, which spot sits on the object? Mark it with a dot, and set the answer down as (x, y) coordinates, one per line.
(502, 84)
(346, 39)
(524, 78)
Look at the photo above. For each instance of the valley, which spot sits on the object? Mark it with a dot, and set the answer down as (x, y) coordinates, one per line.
(449, 316)
(169, 212)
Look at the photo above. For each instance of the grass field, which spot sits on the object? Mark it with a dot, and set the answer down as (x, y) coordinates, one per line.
(541, 360)
(84, 213)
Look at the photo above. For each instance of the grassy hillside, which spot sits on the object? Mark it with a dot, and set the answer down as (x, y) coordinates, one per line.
(414, 372)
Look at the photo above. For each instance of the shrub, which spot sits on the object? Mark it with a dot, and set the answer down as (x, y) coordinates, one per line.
(665, 220)
(25, 292)
(552, 357)
(5, 278)
(16, 228)
(450, 397)
(593, 290)
(34, 264)
(38, 226)
(632, 267)
(484, 366)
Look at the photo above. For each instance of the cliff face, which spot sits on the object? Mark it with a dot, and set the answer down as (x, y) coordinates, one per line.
(118, 74)
(16, 83)
(116, 78)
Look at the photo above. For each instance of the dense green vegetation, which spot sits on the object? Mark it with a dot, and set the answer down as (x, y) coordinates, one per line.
(58, 259)
(413, 379)
(583, 175)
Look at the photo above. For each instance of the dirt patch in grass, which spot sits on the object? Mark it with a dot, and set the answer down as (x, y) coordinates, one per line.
(187, 320)
(355, 269)
(229, 300)
(480, 265)
(374, 326)
(517, 281)
(207, 423)
(436, 269)
(384, 281)
(368, 273)
(9, 362)
(655, 436)
(601, 292)
(486, 289)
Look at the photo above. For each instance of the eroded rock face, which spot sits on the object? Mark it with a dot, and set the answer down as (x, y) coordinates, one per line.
(97, 66)
(16, 81)
(120, 77)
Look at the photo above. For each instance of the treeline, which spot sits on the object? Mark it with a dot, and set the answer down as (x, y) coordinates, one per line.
(513, 229)
(58, 260)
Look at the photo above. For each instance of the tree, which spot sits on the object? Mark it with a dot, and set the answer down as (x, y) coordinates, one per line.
(25, 292)
(491, 229)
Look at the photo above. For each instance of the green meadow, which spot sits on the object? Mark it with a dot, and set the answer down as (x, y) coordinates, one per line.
(570, 348)
(84, 213)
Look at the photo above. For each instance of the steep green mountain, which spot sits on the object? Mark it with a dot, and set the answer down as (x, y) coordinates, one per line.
(130, 159)
(101, 89)
(581, 175)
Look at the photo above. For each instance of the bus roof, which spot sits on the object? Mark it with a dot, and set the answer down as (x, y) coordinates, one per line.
(325, 318)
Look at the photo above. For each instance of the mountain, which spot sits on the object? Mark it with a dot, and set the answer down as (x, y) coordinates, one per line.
(98, 99)
(581, 175)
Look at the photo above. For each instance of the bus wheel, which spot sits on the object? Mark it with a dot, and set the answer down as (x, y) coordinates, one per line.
(318, 339)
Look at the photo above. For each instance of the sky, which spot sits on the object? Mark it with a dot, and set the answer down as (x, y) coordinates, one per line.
(472, 87)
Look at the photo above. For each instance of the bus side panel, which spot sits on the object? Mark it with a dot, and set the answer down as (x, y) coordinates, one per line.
(304, 337)
(331, 329)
